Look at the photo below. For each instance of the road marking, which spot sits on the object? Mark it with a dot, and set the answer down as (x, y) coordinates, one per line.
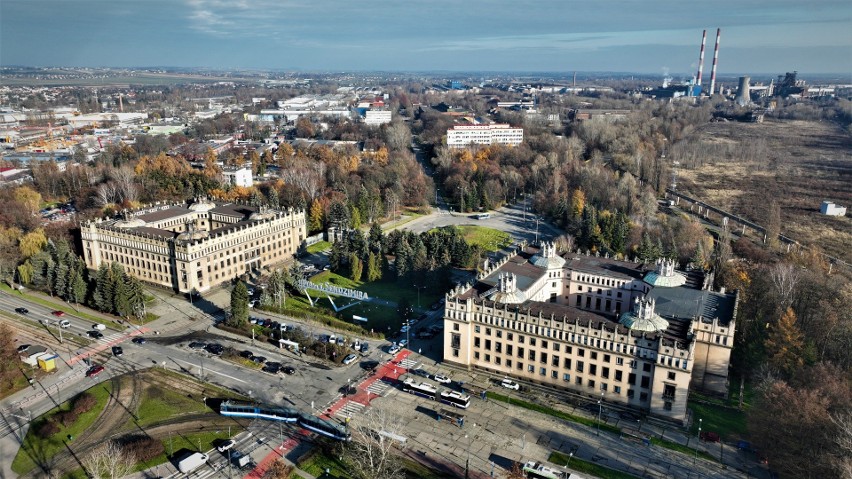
(209, 370)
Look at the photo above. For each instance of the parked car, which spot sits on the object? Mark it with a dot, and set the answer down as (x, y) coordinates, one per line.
(349, 359)
(138, 340)
(22, 310)
(259, 359)
(393, 348)
(364, 348)
(442, 379)
(403, 343)
(288, 370)
(246, 354)
(23, 348)
(117, 351)
(421, 372)
(272, 367)
(94, 371)
(226, 445)
(197, 345)
(509, 384)
(58, 313)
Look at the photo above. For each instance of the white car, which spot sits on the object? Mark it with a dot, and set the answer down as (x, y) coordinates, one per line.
(332, 339)
(226, 445)
(509, 384)
(350, 359)
(442, 379)
(65, 323)
(98, 327)
(403, 343)
(393, 349)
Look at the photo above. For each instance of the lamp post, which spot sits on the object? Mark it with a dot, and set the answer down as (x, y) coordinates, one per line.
(600, 410)
(699, 439)
(418, 293)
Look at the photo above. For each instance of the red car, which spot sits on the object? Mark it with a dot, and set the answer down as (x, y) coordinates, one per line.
(94, 371)
(58, 313)
(710, 436)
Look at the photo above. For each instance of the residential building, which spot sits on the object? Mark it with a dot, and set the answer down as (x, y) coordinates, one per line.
(596, 326)
(238, 175)
(461, 136)
(194, 247)
(377, 117)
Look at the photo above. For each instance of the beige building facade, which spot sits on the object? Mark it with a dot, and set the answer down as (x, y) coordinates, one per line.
(595, 326)
(194, 247)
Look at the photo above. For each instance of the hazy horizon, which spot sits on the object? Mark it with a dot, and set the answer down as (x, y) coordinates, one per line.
(549, 36)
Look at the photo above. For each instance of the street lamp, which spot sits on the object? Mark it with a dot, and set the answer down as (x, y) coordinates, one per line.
(418, 293)
(699, 439)
(600, 410)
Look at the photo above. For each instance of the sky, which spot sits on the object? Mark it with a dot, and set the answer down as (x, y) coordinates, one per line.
(641, 36)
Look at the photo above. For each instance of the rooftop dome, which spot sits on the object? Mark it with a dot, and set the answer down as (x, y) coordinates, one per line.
(643, 318)
(202, 205)
(130, 223)
(665, 275)
(506, 290)
(547, 258)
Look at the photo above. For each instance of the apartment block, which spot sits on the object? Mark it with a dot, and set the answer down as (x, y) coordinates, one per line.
(462, 136)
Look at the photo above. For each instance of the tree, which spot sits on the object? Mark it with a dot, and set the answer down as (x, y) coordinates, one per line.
(315, 218)
(356, 267)
(122, 305)
(785, 344)
(375, 238)
(135, 298)
(109, 461)
(278, 470)
(32, 242)
(29, 198)
(374, 267)
(239, 306)
(9, 368)
(102, 296)
(372, 455)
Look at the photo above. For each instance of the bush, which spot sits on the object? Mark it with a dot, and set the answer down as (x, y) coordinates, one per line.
(143, 448)
(66, 418)
(47, 429)
(84, 403)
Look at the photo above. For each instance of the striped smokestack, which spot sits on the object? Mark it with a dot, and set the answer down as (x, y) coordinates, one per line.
(715, 59)
(701, 58)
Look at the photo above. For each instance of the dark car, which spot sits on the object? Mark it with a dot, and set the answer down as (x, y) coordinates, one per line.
(117, 351)
(215, 349)
(138, 340)
(22, 348)
(421, 372)
(246, 354)
(288, 370)
(22, 310)
(435, 306)
(710, 436)
(197, 345)
(95, 334)
(94, 371)
(272, 367)
(258, 359)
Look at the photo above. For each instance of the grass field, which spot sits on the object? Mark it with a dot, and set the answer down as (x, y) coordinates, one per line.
(318, 247)
(580, 465)
(489, 239)
(35, 447)
(728, 422)
(317, 464)
(160, 403)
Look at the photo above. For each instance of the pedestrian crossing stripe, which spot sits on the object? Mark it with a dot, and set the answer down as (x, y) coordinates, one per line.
(378, 388)
(408, 363)
(350, 409)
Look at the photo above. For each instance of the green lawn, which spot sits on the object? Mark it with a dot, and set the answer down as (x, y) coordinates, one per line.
(728, 422)
(19, 382)
(42, 450)
(592, 468)
(319, 462)
(159, 403)
(36, 298)
(390, 288)
(552, 412)
(489, 239)
(318, 247)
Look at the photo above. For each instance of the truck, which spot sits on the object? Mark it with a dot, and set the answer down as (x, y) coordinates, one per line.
(191, 462)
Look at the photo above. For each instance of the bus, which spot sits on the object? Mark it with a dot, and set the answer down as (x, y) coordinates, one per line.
(534, 470)
(456, 399)
(426, 390)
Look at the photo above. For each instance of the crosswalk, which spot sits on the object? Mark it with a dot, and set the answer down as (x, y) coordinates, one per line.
(350, 409)
(408, 363)
(378, 388)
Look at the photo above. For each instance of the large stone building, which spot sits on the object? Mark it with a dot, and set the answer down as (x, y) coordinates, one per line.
(596, 326)
(194, 247)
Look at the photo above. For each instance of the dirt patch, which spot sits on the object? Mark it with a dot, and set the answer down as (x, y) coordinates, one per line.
(796, 163)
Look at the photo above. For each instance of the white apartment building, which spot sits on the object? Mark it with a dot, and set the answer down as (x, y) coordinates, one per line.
(462, 136)
(377, 117)
(238, 175)
(599, 327)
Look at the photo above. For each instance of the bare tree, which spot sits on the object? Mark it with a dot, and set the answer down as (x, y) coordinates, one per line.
(105, 193)
(370, 454)
(109, 461)
(125, 185)
(785, 278)
(843, 421)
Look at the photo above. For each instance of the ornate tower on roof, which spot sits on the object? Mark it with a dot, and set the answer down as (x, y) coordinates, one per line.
(665, 275)
(643, 317)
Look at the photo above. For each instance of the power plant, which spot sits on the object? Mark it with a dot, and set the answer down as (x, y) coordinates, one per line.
(715, 61)
(743, 97)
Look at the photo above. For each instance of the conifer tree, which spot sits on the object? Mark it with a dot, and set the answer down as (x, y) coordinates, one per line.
(785, 343)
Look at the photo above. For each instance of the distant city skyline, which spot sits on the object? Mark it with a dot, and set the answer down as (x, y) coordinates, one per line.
(651, 37)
